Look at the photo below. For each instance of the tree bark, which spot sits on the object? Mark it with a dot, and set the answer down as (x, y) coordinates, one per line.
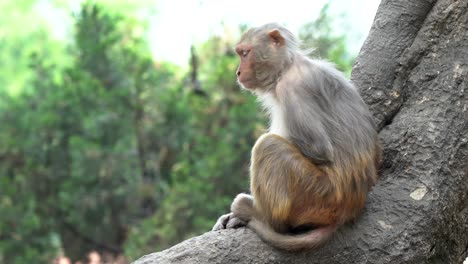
(413, 72)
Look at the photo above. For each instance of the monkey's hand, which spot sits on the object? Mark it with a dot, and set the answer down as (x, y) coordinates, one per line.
(228, 221)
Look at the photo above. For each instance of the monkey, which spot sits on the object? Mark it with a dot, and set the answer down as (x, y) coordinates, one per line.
(312, 171)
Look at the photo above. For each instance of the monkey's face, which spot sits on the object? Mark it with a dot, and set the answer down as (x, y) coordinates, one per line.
(246, 70)
(262, 53)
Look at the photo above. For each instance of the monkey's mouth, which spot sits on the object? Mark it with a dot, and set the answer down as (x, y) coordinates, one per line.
(248, 84)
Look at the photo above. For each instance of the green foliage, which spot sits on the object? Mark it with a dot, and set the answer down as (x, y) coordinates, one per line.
(105, 149)
(71, 143)
(319, 36)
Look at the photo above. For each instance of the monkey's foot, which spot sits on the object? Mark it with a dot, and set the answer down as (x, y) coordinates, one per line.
(228, 221)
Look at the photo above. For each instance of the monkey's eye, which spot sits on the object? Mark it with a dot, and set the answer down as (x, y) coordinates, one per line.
(244, 53)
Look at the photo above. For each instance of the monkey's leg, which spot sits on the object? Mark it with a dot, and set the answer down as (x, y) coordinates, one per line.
(280, 181)
(269, 181)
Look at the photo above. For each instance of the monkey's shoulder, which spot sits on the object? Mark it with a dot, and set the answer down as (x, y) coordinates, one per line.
(329, 70)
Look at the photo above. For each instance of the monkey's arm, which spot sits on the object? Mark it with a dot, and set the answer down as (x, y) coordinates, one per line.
(302, 110)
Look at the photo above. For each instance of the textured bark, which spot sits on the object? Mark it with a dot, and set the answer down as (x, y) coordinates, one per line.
(413, 73)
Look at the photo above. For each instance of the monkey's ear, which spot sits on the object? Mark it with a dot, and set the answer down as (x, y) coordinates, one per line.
(276, 37)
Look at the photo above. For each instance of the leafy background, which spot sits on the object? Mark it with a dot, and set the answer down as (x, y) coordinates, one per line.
(105, 150)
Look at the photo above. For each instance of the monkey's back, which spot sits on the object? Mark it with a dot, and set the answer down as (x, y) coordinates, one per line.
(332, 126)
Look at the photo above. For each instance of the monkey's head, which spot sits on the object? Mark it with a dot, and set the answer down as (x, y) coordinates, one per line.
(265, 52)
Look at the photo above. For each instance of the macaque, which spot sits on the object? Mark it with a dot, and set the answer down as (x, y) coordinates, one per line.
(312, 171)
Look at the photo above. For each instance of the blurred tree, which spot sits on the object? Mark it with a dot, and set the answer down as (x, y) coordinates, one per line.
(22, 32)
(75, 152)
(319, 36)
(24, 233)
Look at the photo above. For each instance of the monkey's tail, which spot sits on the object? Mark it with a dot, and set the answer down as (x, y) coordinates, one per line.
(291, 242)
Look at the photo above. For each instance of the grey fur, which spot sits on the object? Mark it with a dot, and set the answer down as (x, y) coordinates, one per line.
(325, 115)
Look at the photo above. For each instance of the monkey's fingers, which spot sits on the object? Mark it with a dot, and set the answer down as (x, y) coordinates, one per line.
(222, 222)
(235, 222)
(228, 221)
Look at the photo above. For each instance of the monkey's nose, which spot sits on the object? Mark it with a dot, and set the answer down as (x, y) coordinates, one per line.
(238, 73)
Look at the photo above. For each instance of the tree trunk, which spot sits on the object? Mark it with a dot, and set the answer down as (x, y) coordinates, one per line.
(413, 73)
